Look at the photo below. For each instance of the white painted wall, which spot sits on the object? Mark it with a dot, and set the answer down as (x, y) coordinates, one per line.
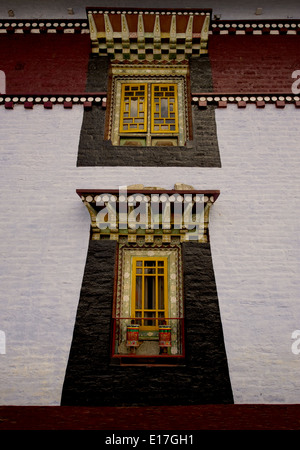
(229, 10)
(255, 245)
(254, 238)
(43, 249)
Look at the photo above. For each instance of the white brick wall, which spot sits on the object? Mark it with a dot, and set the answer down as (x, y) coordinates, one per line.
(255, 245)
(254, 237)
(43, 249)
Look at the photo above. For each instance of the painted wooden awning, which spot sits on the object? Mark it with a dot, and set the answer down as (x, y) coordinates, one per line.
(138, 211)
(140, 34)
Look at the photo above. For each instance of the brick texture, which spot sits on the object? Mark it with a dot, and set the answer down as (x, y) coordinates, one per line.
(45, 64)
(93, 379)
(248, 64)
(39, 63)
(198, 418)
(254, 229)
(201, 151)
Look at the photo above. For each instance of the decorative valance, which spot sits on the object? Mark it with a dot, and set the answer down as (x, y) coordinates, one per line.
(141, 33)
(149, 213)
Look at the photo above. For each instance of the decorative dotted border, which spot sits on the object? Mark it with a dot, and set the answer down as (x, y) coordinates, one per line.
(203, 100)
(48, 101)
(242, 100)
(44, 26)
(160, 11)
(255, 27)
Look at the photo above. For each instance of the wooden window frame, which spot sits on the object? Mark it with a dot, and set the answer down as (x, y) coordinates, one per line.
(149, 131)
(164, 89)
(124, 313)
(160, 313)
(126, 100)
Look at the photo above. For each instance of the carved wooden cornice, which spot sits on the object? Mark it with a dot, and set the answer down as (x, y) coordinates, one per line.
(140, 33)
(149, 212)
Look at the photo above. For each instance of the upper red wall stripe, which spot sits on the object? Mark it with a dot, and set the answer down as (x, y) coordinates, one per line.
(58, 63)
(45, 63)
(245, 64)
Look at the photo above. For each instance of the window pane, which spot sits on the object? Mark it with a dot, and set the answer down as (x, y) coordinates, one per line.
(138, 292)
(150, 287)
(149, 322)
(164, 97)
(164, 107)
(149, 293)
(161, 300)
(137, 315)
(133, 107)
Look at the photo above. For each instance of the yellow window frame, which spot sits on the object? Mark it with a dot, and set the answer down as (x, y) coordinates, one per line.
(164, 108)
(133, 118)
(160, 269)
(134, 108)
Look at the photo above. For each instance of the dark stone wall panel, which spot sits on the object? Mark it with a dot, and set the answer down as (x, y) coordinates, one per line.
(91, 337)
(200, 75)
(94, 379)
(97, 76)
(203, 151)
